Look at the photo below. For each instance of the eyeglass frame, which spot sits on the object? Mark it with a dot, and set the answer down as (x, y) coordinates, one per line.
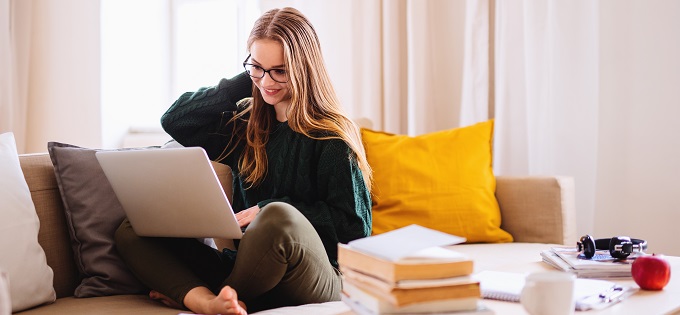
(264, 72)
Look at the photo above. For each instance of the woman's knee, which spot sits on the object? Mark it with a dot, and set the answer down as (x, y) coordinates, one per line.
(279, 213)
(280, 217)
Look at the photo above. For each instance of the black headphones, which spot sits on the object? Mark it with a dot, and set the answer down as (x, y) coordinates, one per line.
(619, 246)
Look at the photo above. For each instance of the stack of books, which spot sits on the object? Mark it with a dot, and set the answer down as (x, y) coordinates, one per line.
(429, 280)
(602, 265)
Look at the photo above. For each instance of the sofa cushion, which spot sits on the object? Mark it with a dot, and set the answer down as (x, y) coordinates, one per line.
(105, 305)
(21, 257)
(141, 304)
(441, 180)
(93, 214)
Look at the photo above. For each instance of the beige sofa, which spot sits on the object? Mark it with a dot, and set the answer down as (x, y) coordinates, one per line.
(534, 210)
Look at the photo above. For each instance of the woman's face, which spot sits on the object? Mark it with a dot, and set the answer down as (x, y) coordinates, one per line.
(268, 55)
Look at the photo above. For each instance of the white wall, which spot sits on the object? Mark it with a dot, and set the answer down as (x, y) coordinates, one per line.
(135, 67)
(82, 94)
(64, 87)
(637, 192)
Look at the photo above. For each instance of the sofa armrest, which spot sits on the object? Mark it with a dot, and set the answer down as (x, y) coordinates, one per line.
(537, 209)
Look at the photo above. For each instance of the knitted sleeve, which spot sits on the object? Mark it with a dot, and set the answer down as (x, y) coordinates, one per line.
(199, 118)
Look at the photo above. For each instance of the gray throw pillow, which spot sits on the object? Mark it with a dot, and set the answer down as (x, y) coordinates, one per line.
(93, 214)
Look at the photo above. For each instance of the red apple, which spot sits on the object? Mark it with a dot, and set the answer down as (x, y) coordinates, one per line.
(651, 272)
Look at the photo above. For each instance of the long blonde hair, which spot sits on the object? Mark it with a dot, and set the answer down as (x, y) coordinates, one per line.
(314, 111)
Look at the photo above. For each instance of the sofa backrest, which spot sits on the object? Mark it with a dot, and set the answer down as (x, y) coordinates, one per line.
(538, 209)
(533, 209)
(53, 236)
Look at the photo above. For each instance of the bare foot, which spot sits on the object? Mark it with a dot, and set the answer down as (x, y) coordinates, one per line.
(202, 301)
(226, 302)
(155, 295)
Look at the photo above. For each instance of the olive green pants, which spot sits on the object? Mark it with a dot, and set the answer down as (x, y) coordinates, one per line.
(280, 261)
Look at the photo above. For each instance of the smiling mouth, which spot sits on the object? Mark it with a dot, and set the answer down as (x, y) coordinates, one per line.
(270, 92)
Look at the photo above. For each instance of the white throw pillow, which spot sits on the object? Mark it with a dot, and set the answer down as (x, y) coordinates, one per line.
(21, 257)
(5, 302)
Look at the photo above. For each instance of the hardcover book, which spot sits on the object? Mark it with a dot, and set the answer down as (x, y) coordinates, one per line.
(381, 304)
(386, 286)
(403, 297)
(431, 263)
(361, 309)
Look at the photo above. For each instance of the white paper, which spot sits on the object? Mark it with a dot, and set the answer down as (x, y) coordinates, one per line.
(403, 242)
(508, 286)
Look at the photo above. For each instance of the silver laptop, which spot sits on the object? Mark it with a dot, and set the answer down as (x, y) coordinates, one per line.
(170, 192)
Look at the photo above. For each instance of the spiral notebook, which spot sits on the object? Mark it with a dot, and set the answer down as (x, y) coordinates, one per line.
(589, 293)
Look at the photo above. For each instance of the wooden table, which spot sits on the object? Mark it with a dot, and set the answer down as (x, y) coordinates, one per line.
(524, 258)
(666, 301)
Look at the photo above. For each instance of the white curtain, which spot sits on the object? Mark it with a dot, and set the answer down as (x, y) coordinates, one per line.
(399, 63)
(413, 67)
(546, 107)
(478, 89)
(569, 98)
(15, 30)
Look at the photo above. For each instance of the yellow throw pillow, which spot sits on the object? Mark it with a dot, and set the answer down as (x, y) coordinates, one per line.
(441, 180)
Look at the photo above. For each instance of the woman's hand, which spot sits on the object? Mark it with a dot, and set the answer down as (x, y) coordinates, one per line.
(246, 216)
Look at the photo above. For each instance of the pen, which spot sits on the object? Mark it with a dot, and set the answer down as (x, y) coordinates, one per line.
(605, 299)
(612, 294)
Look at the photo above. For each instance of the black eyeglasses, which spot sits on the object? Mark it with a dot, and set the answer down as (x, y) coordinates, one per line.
(255, 71)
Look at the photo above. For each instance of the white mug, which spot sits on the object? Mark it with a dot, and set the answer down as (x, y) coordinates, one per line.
(549, 292)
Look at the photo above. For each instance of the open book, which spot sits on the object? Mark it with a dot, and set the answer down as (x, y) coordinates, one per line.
(442, 263)
(403, 242)
(409, 253)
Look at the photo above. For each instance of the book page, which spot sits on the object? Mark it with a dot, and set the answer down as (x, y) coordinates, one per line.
(402, 242)
(433, 253)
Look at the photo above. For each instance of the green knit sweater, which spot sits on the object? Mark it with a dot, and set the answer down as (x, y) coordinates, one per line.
(318, 177)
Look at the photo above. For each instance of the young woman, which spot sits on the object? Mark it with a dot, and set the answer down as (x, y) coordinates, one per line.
(301, 181)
